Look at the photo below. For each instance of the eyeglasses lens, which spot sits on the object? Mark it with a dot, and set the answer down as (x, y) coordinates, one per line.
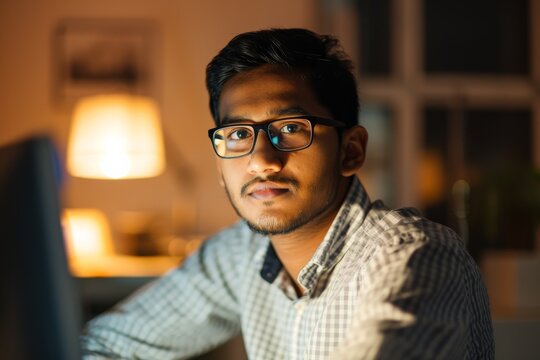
(287, 135)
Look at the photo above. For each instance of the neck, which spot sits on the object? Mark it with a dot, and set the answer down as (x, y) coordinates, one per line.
(297, 248)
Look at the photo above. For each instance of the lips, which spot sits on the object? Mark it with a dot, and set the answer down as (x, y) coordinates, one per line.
(267, 190)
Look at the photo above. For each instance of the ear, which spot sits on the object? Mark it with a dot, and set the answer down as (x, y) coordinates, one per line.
(353, 150)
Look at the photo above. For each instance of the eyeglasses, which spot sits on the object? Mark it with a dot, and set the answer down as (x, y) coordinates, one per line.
(288, 134)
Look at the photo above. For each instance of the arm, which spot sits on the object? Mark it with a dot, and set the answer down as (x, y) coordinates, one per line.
(188, 311)
(414, 302)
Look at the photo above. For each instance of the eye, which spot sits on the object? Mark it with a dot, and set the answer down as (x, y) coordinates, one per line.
(290, 128)
(239, 134)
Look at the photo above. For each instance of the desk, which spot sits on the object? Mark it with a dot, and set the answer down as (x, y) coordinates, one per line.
(122, 266)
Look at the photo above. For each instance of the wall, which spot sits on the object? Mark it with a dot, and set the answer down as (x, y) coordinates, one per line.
(189, 34)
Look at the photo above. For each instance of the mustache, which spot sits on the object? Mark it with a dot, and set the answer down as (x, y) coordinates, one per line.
(273, 178)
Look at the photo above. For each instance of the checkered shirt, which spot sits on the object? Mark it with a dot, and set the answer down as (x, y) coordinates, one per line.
(383, 284)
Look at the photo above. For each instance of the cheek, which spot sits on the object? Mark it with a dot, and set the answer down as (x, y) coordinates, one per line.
(231, 172)
(316, 170)
(323, 159)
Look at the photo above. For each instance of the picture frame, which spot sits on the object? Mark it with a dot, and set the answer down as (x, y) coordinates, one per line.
(95, 56)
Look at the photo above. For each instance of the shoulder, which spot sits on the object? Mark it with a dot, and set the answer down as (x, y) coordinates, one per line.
(236, 238)
(405, 227)
(231, 247)
(405, 240)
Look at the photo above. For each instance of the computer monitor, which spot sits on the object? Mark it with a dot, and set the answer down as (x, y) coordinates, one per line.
(39, 312)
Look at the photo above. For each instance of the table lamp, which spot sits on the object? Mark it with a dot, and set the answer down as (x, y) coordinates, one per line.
(115, 136)
(112, 136)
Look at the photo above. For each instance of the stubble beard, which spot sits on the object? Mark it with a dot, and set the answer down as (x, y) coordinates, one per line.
(271, 225)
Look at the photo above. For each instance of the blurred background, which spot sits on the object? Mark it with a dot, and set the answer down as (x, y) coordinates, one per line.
(450, 93)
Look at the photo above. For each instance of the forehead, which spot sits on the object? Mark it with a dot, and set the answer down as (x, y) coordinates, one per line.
(268, 91)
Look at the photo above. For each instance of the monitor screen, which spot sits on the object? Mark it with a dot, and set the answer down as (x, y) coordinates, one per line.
(39, 313)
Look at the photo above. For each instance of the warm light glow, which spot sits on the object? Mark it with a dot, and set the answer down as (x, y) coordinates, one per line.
(431, 180)
(90, 249)
(116, 137)
(87, 233)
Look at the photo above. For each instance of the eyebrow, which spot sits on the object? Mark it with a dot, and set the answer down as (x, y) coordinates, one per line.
(291, 110)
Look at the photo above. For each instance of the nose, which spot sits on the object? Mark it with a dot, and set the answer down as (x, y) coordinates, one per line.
(264, 159)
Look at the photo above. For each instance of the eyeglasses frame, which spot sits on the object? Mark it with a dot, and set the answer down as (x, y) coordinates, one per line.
(265, 126)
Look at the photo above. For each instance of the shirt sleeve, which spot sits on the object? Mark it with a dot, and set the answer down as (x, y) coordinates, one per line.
(186, 312)
(415, 302)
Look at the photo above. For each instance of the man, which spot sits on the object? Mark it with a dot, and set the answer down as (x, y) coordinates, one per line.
(314, 270)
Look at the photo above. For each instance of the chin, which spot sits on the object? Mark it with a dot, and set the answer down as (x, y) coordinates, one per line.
(272, 226)
(269, 230)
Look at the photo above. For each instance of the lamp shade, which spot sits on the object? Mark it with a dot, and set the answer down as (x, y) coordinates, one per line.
(115, 137)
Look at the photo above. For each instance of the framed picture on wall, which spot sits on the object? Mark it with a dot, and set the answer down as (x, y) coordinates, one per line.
(94, 56)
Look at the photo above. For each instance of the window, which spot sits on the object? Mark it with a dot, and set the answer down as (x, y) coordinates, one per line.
(451, 83)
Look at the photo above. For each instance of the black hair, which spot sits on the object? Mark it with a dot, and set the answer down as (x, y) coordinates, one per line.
(319, 58)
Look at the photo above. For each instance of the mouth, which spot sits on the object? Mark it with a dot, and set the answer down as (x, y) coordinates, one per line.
(267, 191)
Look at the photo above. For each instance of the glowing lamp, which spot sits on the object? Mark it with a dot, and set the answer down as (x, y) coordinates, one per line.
(87, 233)
(116, 137)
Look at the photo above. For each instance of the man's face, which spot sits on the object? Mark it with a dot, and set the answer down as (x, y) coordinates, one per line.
(278, 192)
